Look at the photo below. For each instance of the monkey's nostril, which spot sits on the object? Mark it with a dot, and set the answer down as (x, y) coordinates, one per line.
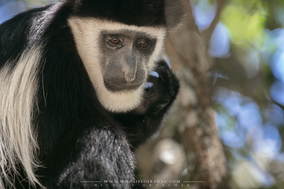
(129, 77)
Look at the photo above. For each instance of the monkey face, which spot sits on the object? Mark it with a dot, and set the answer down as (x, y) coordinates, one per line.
(124, 59)
(117, 58)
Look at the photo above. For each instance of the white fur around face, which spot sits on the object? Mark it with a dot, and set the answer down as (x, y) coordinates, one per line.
(86, 33)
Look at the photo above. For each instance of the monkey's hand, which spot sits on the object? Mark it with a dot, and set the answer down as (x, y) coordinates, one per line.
(144, 121)
(160, 90)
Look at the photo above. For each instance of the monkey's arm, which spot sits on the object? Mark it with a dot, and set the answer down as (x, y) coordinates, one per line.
(89, 155)
(145, 120)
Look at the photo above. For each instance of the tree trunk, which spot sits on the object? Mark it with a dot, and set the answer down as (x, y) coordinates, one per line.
(205, 158)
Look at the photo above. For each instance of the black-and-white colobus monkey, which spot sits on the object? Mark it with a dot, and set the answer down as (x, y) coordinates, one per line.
(72, 100)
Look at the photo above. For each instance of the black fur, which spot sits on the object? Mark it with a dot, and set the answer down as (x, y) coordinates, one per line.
(79, 140)
(144, 13)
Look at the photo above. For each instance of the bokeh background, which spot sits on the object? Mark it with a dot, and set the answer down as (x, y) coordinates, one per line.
(244, 43)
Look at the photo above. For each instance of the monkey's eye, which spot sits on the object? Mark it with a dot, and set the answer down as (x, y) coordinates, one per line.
(144, 44)
(115, 41)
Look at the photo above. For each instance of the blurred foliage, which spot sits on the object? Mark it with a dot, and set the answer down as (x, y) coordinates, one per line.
(245, 24)
(247, 93)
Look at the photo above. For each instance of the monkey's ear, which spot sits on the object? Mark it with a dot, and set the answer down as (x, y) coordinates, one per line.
(174, 13)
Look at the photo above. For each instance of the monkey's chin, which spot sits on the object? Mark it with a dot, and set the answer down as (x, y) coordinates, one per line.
(122, 101)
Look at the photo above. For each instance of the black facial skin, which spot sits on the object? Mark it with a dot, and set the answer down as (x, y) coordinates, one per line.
(124, 58)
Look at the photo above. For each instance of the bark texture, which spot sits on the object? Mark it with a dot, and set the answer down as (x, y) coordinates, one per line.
(187, 52)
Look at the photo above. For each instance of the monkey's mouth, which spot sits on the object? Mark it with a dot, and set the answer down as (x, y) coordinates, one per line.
(121, 87)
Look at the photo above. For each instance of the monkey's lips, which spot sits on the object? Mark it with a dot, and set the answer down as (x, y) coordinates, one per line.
(115, 87)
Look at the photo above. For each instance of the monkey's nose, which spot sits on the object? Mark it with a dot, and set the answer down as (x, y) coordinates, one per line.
(130, 73)
(129, 77)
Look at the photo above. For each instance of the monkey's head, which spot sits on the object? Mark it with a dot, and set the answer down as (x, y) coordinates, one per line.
(119, 42)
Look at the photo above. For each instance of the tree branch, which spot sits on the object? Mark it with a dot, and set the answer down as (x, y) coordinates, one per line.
(206, 160)
(208, 33)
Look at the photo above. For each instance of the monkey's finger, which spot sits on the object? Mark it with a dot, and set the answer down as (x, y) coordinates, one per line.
(166, 58)
(148, 85)
(154, 74)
